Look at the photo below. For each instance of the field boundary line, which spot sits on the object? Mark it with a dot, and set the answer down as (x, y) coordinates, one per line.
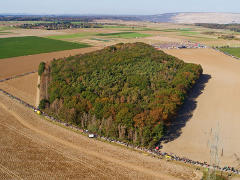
(17, 76)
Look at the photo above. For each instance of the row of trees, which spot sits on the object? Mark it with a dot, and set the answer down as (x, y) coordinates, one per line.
(232, 27)
(127, 91)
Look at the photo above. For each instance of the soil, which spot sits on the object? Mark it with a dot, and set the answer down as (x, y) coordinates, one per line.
(212, 110)
(24, 87)
(23, 64)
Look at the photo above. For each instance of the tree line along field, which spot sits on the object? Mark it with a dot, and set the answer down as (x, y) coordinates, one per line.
(22, 46)
(126, 91)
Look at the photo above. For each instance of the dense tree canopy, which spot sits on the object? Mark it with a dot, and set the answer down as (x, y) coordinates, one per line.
(232, 27)
(126, 91)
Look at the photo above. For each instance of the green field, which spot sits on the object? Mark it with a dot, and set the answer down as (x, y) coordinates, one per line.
(231, 50)
(103, 40)
(132, 29)
(3, 32)
(189, 33)
(21, 46)
(177, 30)
(70, 36)
(124, 35)
(111, 26)
(6, 28)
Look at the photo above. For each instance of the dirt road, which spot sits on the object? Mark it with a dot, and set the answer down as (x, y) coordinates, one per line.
(215, 112)
(32, 147)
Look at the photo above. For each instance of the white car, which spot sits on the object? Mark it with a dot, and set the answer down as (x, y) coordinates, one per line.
(91, 136)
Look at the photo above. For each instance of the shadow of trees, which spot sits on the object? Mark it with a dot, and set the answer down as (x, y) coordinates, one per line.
(186, 111)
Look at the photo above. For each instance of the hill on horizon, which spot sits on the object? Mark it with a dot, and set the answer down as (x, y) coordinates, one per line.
(178, 17)
(194, 17)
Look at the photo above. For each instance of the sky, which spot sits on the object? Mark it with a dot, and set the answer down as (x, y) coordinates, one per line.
(117, 7)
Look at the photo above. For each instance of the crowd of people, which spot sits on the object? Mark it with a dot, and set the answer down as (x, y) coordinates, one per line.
(178, 45)
(156, 152)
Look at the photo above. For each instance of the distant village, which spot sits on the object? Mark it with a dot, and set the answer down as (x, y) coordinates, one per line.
(59, 25)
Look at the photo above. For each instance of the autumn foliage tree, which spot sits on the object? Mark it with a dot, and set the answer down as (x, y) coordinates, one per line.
(126, 91)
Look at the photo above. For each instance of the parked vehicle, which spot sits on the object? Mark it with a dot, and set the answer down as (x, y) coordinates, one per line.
(91, 135)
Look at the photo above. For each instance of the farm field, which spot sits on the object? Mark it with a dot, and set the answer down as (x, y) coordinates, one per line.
(217, 104)
(23, 64)
(128, 32)
(16, 32)
(44, 150)
(70, 36)
(112, 26)
(124, 35)
(233, 51)
(24, 87)
(21, 46)
(214, 110)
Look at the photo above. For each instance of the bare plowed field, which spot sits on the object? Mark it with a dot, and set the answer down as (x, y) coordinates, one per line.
(213, 112)
(24, 87)
(15, 66)
(33, 148)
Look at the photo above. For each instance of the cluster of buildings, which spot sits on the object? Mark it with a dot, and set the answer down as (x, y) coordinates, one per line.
(178, 45)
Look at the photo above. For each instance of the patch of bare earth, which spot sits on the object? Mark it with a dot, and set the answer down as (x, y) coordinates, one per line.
(24, 87)
(18, 65)
(212, 111)
(33, 148)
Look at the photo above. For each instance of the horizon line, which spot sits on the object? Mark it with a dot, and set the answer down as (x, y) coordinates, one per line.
(68, 14)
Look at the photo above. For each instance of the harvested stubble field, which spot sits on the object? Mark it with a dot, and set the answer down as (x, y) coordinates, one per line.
(36, 149)
(213, 107)
(33, 148)
(24, 87)
(19, 65)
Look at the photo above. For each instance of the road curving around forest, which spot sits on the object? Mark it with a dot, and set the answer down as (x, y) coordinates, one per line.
(100, 159)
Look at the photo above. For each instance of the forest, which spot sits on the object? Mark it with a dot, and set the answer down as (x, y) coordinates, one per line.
(231, 27)
(129, 92)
